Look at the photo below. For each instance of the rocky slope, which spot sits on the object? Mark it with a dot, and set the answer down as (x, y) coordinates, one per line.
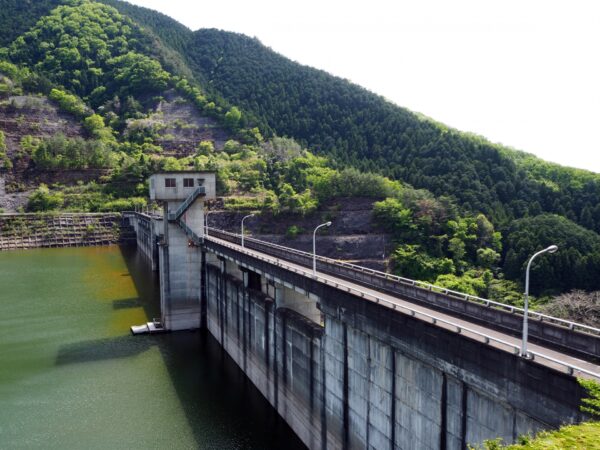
(34, 116)
(354, 236)
(183, 127)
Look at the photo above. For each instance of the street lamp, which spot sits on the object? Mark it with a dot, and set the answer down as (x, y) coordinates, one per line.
(244, 218)
(326, 224)
(208, 213)
(551, 249)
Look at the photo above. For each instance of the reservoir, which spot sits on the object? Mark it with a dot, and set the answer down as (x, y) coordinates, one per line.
(72, 376)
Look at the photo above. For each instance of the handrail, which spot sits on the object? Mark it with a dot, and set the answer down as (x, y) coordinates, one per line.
(422, 285)
(200, 190)
(190, 233)
(148, 215)
(453, 326)
(459, 329)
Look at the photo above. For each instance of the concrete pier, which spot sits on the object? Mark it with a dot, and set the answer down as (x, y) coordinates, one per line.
(180, 262)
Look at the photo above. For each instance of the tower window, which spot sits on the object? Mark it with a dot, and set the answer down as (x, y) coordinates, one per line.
(170, 182)
(188, 182)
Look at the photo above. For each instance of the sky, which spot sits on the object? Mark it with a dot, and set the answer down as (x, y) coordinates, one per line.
(522, 73)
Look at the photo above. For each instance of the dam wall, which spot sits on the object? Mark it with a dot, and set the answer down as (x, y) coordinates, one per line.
(346, 372)
(148, 230)
(368, 377)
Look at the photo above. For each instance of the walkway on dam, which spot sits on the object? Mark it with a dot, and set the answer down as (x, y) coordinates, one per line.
(541, 354)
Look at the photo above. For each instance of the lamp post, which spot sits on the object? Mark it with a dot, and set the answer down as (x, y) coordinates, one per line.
(244, 218)
(326, 224)
(208, 213)
(551, 249)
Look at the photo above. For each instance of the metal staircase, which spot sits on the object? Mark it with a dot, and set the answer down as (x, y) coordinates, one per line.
(198, 192)
(177, 215)
(197, 240)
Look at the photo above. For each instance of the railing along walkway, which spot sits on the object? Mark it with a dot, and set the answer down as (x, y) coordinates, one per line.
(378, 276)
(542, 355)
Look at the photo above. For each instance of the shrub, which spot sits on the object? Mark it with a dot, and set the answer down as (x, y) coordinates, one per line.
(44, 200)
(68, 102)
(467, 284)
(206, 148)
(293, 231)
(124, 204)
(411, 262)
(591, 404)
(578, 306)
(243, 203)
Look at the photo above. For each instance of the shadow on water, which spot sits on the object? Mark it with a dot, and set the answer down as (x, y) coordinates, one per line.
(223, 408)
(99, 349)
(126, 303)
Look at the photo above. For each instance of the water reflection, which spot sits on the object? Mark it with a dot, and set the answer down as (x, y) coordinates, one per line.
(222, 406)
(73, 377)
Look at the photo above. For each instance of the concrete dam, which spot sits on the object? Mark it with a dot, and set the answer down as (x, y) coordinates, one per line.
(354, 358)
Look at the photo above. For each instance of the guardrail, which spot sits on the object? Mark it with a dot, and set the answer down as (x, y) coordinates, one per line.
(285, 253)
(279, 251)
(197, 240)
(484, 338)
(199, 191)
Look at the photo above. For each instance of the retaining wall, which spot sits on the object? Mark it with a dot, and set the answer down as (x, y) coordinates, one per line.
(26, 231)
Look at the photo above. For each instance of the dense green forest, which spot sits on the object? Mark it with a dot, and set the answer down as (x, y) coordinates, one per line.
(17, 16)
(170, 32)
(465, 213)
(360, 129)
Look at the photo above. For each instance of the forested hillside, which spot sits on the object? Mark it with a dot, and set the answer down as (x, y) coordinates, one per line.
(143, 93)
(363, 130)
(171, 32)
(17, 16)
(358, 128)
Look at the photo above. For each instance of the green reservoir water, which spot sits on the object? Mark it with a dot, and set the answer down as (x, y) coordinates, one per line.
(72, 377)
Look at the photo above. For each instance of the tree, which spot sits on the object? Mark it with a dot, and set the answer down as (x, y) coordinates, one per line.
(487, 258)
(233, 118)
(232, 147)
(172, 164)
(393, 216)
(282, 148)
(456, 247)
(94, 125)
(61, 152)
(43, 200)
(411, 262)
(206, 148)
(135, 73)
(575, 266)
(578, 306)
(587, 219)
(291, 201)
